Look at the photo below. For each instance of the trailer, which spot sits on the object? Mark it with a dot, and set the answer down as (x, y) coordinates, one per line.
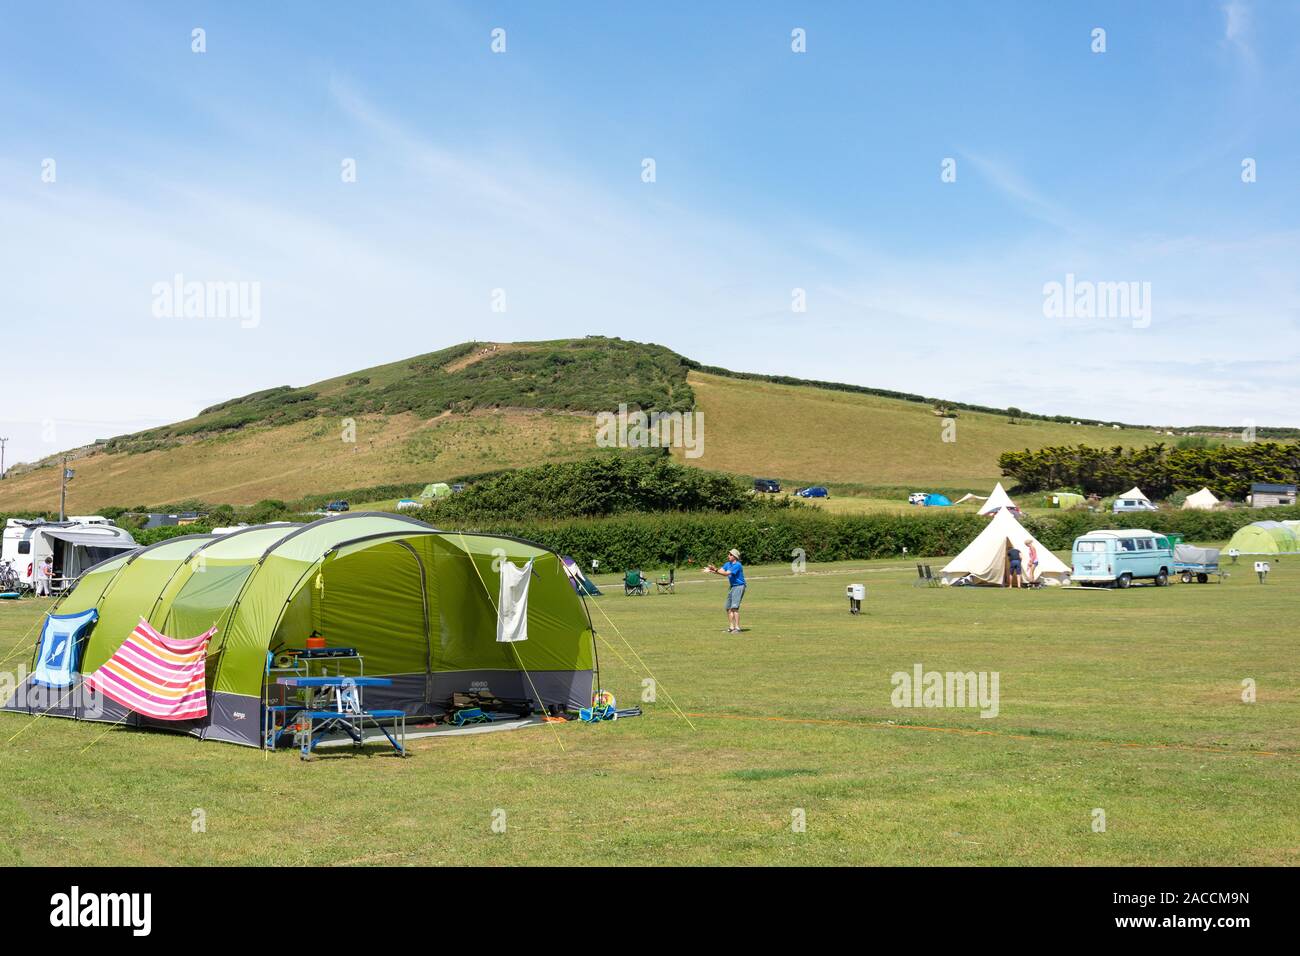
(1197, 564)
(72, 546)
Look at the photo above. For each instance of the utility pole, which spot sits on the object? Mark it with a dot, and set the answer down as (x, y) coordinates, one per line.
(63, 488)
(3, 442)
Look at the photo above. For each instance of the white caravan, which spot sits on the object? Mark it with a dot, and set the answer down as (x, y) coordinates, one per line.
(75, 545)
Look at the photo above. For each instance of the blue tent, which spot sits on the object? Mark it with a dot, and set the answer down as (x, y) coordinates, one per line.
(939, 501)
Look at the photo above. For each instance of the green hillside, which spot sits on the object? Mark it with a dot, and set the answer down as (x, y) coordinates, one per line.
(482, 407)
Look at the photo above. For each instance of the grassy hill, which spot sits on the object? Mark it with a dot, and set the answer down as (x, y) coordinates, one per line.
(803, 434)
(481, 407)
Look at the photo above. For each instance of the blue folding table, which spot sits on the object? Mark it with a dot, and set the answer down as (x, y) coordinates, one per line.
(330, 701)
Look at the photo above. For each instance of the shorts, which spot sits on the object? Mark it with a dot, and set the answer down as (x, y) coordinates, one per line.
(733, 597)
(1015, 567)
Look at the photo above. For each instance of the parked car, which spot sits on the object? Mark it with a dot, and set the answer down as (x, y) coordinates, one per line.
(813, 491)
(767, 485)
(337, 506)
(458, 487)
(1123, 505)
(1121, 557)
(916, 498)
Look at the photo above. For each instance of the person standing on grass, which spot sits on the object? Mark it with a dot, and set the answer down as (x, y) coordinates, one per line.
(734, 571)
(44, 572)
(1013, 557)
(1031, 573)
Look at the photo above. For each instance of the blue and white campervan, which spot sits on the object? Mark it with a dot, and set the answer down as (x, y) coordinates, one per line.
(1121, 557)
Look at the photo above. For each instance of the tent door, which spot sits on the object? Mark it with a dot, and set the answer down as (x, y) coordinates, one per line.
(428, 639)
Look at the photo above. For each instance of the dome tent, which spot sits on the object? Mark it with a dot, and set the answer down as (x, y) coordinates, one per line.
(418, 605)
(1264, 537)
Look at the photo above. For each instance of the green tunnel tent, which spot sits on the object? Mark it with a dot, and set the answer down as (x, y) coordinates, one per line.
(418, 604)
(1264, 537)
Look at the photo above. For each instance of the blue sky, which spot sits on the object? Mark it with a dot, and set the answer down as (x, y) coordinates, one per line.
(775, 170)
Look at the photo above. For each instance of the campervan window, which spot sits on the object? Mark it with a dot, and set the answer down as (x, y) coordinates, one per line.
(1091, 546)
(25, 546)
(1127, 544)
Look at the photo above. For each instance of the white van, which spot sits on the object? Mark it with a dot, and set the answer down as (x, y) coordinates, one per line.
(75, 545)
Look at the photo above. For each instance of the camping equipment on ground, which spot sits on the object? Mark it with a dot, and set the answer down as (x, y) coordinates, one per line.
(336, 703)
(667, 583)
(857, 593)
(634, 583)
(998, 500)
(470, 715)
(925, 577)
(413, 600)
(1265, 537)
(1197, 564)
(9, 595)
(1202, 500)
(156, 676)
(605, 707)
(985, 558)
(58, 651)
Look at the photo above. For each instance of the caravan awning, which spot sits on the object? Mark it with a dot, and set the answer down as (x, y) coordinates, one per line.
(87, 540)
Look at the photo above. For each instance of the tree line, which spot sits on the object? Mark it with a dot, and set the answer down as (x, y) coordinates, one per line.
(1159, 470)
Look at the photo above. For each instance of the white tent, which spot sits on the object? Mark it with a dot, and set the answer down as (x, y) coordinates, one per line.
(1203, 500)
(985, 558)
(969, 497)
(997, 499)
(1135, 492)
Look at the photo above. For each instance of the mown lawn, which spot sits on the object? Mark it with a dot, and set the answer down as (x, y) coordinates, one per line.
(1127, 702)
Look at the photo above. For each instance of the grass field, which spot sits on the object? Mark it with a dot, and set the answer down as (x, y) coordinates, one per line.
(1128, 702)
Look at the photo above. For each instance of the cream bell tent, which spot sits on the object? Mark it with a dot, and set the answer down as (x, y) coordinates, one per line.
(998, 500)
(984, 560)
(1202, 500)
(1135, 492)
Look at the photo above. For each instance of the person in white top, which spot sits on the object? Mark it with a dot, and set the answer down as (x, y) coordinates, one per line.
(44, 572)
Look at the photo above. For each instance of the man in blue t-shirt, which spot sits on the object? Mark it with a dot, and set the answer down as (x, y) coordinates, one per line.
(734, 571)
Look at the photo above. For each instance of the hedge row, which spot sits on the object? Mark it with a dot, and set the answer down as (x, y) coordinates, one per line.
(656, 541)
(664, 540)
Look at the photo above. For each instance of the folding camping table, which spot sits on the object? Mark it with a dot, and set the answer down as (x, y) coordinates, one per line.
(323, 702)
